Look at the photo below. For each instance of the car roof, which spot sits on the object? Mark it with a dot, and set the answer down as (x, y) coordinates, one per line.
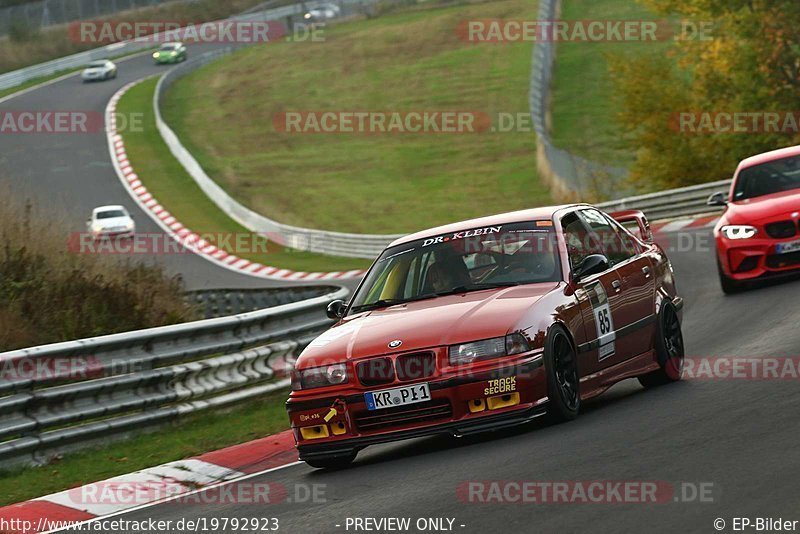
(766, 157)
(501, 218)
(109, 208)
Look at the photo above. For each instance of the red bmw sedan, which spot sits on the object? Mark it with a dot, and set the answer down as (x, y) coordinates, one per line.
(758, 235)
(488, 323)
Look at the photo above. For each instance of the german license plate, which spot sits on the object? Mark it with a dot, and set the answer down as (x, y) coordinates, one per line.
(391, 398)
(785, 248)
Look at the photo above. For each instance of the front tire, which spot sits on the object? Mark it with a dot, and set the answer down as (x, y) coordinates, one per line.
(669, 349)
(561, 368)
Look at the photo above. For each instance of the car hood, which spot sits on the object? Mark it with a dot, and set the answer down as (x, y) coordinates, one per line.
(429, 323)
(756, 209)
(113, 222)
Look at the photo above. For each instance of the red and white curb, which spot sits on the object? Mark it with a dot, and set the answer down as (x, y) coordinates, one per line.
(169, 482)
(668, 227)
(178, 231)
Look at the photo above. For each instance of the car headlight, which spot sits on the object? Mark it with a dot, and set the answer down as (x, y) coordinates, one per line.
(318, 377)
(96, 228)
(307, 16)
(173, 53)
(736, 231)
(129, 225)
(155, 55)
(488, 348)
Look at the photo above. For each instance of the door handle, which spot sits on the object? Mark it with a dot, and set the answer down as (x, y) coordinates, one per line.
(616, 284)
(646, 271)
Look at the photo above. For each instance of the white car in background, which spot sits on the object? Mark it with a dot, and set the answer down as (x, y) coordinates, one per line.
(108, 222)
(102, 69)
(322, 13)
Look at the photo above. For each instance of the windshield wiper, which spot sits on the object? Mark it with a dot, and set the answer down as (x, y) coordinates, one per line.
(381, 303)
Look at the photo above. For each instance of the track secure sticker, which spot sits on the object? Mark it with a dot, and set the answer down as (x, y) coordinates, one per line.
(606, 335)
(500, 385)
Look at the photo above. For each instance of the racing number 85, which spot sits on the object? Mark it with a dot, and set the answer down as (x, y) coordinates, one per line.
(603, 321)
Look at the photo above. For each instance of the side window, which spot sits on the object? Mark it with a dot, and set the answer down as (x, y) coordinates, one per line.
(578, 241)
(608, 236)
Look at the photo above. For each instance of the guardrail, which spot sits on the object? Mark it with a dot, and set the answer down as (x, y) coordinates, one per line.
(673, 203)
(222, 302)
(64, 396)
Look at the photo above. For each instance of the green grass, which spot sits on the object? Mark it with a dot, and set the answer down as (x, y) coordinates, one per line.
(174, 189)
(583, 106)
(382, 183)
(191, 436)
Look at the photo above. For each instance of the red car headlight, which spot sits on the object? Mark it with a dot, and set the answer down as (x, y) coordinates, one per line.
(739, 231)
(488, 348)
(318, 377)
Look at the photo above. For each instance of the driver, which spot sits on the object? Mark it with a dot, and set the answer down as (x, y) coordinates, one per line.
(448, 274)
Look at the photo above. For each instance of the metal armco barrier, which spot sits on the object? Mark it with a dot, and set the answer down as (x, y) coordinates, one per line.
(59, 397)
(221, 302)
(672, 203)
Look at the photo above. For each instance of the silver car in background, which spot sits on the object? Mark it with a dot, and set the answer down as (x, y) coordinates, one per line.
(102, 69)
(322, 13)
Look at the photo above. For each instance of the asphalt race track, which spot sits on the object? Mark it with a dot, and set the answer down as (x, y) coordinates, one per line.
(73, 171)
(739, 436)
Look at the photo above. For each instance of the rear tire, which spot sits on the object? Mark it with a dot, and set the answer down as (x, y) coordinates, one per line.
(333, 462)
(669, 349)
(561, 368)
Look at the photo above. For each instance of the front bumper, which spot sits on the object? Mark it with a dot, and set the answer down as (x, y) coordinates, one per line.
(453, 409)
(750, 259)
(115, 234)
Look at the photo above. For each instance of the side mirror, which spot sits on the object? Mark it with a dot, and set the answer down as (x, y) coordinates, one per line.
(717, 199)
(591, 264)
(336, 309)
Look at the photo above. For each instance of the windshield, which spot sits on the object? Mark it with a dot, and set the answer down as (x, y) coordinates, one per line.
(469, 260)
(168, 47)
(110, 214)
(95, 64)
(768, 178)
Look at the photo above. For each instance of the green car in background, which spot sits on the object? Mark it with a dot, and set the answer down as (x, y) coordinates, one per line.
(170, 53)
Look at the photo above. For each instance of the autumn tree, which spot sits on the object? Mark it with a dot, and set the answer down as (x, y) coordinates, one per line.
(749, 63)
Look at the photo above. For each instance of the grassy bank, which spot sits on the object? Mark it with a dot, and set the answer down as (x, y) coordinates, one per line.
(167, 180)
(584, 106)
(191, 436)
(412, 60)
